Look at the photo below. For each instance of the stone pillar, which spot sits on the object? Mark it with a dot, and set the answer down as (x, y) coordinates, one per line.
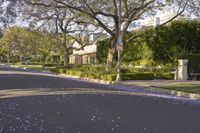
(182, 69)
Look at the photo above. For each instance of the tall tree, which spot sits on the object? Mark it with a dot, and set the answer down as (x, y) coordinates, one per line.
(113, 16)
(17, 42)
(67, 24)
(45, 43)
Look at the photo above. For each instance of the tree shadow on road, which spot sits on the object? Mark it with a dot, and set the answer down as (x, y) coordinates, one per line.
(34, 80)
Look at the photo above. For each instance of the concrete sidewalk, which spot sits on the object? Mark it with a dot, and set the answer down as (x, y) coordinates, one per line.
(156, 83)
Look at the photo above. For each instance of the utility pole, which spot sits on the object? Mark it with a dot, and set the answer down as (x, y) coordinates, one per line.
(119, 41)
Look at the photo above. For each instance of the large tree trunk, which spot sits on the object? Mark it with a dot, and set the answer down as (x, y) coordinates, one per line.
(26, 61)
(13, 59)
(21, 58)
(8, 58)
(110, 58)
(66, 57)
(44, 61)
(66, 53)
(110, 55)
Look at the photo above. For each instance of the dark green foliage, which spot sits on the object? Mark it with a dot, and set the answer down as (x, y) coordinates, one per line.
(160, 45)
(102, 51)
(85, 74)
(152, 69)
(62, 70)
(194, 62)
(96, 68)
(147, 76)
(163, 44)
(73, 72)
(137, 76)
(50, 65)
(136, 50)
(55, 70)
(186, 34)
(166, 75)
(108, 76)
(175, 40)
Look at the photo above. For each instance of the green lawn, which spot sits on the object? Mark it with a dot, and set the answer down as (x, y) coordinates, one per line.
(34, 67)
(191, 88)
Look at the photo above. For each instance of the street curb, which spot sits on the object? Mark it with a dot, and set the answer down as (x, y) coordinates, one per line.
(188, 95)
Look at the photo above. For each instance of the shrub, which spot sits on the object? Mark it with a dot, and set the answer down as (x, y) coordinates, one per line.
(55, 70)
(49, 65)
(73, 72)
(111, 77)
(94, 74)
(137, 76)
(163, 75)
(152, 69)
(193, 62)
(62, 70)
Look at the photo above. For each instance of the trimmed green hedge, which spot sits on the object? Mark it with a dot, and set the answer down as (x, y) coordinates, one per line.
(101, 76)
(194, 62)
(112, 77)
(137, 76)
(164, 75)
(55, 70)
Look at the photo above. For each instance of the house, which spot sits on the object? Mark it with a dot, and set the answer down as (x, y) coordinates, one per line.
(87, 55)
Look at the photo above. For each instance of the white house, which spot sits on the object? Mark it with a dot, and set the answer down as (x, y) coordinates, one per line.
(87, 55)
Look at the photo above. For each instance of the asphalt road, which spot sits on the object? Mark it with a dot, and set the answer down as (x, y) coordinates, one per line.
(33, 102)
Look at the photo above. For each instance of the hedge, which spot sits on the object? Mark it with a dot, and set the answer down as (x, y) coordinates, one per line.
(194, 62)
(112, 77)
(137, 76)
(164, 75)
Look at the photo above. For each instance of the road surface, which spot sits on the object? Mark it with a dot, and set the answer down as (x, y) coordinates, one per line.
(34, 102)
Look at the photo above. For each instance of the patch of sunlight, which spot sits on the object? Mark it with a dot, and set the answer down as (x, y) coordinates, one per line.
(13, 93)
(26, 73)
